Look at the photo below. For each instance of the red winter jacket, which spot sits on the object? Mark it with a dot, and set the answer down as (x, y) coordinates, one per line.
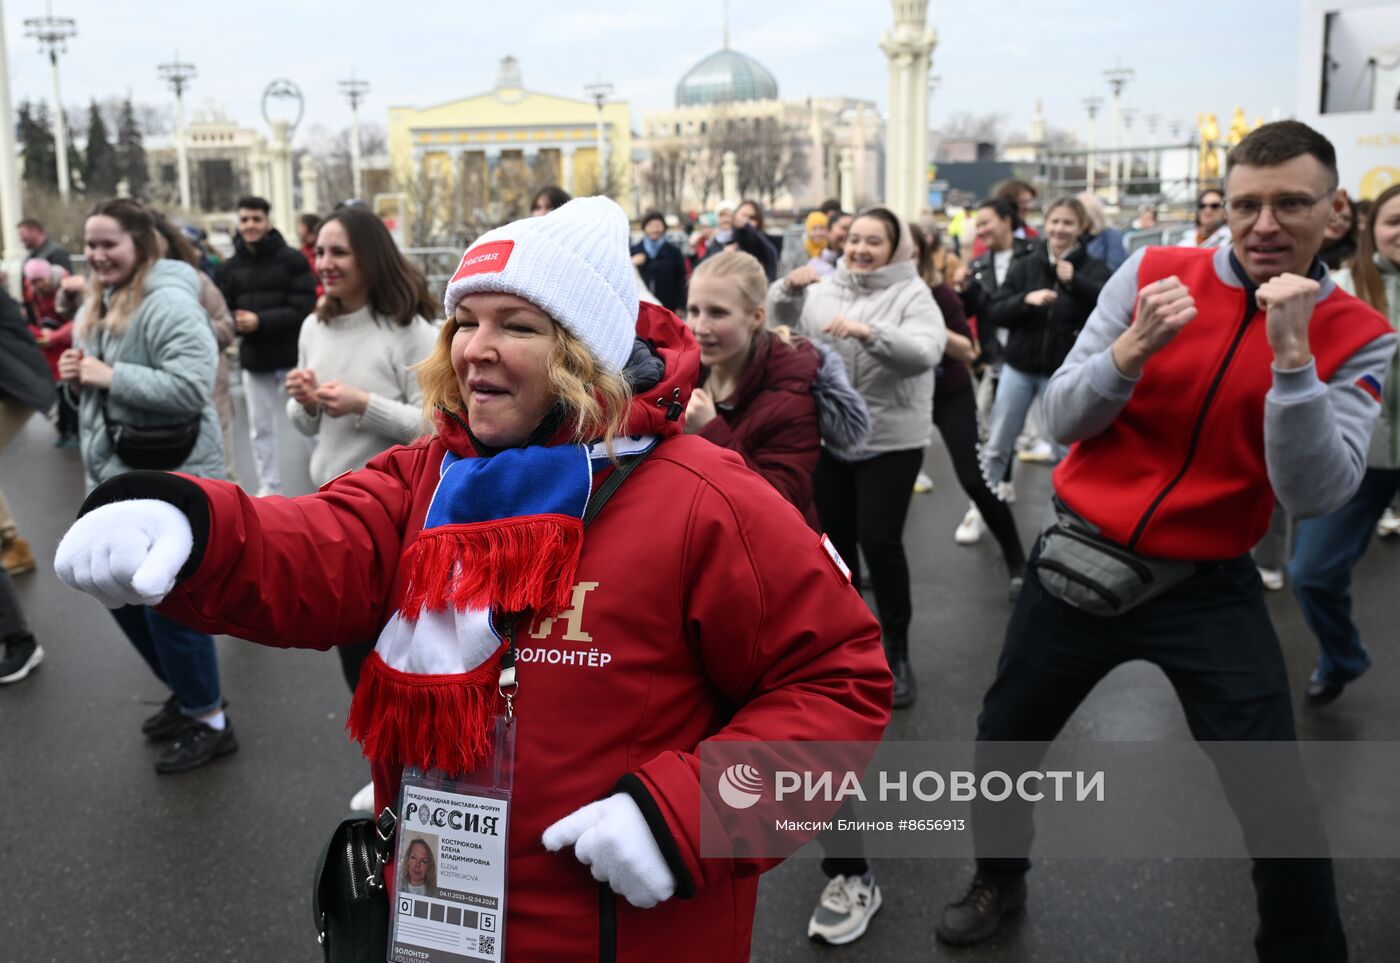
(1180, 473)
(771, 418)
(722, 616)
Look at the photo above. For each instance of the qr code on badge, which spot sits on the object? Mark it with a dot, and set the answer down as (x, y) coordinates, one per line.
(486, 944)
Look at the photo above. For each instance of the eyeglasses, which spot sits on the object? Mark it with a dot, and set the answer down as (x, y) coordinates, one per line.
(1289, 211)
(1209, 206)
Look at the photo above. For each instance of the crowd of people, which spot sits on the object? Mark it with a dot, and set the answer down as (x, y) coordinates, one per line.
(769, 406)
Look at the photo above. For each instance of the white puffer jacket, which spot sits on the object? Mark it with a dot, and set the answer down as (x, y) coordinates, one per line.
(893, 368)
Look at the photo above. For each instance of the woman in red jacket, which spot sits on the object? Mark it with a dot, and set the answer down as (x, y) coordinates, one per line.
(694, 612)
(755, 394)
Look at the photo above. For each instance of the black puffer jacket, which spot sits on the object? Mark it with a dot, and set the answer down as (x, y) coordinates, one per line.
(24, 374)
(977, 292)
(1040, 337)
(275, 282)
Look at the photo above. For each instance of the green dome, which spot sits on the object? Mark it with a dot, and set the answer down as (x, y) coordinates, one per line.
(725, 77)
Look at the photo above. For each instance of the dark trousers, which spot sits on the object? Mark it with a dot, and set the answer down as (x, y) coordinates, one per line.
(12, 624)
(67, 414)
(1324, 553)
(955, 416)
(863, 504)
(181, 657)
(353, 656)
(1212, 638)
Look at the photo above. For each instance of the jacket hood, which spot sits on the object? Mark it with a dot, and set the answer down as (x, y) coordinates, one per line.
(657, 405)
(271, 243)
(896, 272)
(176, 275)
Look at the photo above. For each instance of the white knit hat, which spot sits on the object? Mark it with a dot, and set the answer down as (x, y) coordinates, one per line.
(573, 263)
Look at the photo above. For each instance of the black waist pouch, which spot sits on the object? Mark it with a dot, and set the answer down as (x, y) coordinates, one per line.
(152, 447)
(1080, 568)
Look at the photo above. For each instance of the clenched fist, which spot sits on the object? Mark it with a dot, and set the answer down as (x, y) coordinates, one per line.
(1288, 301)
(1164, 307)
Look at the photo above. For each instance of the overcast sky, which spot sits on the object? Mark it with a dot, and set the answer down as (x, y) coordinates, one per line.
(993, 56)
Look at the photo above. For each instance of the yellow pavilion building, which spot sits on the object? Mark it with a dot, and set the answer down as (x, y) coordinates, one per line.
(477, 161)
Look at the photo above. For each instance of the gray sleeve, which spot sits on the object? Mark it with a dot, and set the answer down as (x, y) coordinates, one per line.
(785, 304)
(914, 342)
(1088, 391)
(1316, 434)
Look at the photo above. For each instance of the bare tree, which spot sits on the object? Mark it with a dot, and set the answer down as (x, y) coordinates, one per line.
(984, 127)
(771, 159)
(667, 175)
(331, 152)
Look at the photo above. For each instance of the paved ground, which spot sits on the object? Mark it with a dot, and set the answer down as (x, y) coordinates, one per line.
(104, 860)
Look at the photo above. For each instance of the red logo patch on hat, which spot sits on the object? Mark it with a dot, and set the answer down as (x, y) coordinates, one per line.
(484, 259)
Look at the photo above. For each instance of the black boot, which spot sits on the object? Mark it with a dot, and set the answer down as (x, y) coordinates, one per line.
(897, 652)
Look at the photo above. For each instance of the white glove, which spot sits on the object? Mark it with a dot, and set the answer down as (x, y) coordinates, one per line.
(613, 838)
(126, 553)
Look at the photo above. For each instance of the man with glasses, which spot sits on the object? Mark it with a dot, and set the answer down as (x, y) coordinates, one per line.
(1205, 384)
(1211, 229)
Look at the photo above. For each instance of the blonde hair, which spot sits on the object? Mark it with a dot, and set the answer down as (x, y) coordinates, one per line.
(595, 399)
(115, 312)
(743, 270)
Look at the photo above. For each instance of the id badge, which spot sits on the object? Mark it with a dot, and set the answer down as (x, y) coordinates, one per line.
(450, 875)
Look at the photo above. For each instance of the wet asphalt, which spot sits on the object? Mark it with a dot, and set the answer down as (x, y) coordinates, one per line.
(103, 860)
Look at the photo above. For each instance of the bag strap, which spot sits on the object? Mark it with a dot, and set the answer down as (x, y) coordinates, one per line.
(625, 466)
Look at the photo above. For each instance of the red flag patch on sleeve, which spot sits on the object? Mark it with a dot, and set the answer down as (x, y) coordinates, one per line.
(1371, 386)
(837, 561)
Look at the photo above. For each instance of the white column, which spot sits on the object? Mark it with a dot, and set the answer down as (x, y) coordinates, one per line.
(908, 50)
(818, 155)
(310, 193)
(281, 178)
(729, 175)
(182, 157)
(60, 129)
(567, 161)
(10, 211)
(847, 167)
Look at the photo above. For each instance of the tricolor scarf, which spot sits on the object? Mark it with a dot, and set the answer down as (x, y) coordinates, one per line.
(502, 534)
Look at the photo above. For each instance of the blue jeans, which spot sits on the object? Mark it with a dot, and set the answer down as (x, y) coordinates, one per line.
(1326, 550)
(1015, 392)
(180, 657)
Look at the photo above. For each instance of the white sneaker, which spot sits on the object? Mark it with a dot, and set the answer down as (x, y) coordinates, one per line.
(1006, 491)
(923, 484)
(1271, 577)
(1388, 525)
(844, 911)
(970, 529)
(363, 801)
(1040, 453)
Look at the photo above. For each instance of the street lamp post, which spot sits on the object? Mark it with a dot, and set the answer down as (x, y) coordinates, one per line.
(600, 92)
(355, 91)
(178, 75)
(1091, 106)
(53, 33)
(1129, 115)
(1117, 78)
(10, 210)
(1154, 153)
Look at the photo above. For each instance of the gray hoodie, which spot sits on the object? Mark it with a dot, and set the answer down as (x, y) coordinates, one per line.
(893, 368)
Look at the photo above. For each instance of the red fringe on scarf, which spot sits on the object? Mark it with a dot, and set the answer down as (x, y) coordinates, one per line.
(429, 721)
(512, 565)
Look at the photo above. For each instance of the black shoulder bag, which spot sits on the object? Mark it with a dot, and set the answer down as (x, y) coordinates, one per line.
(153, 447)
(349, 906)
